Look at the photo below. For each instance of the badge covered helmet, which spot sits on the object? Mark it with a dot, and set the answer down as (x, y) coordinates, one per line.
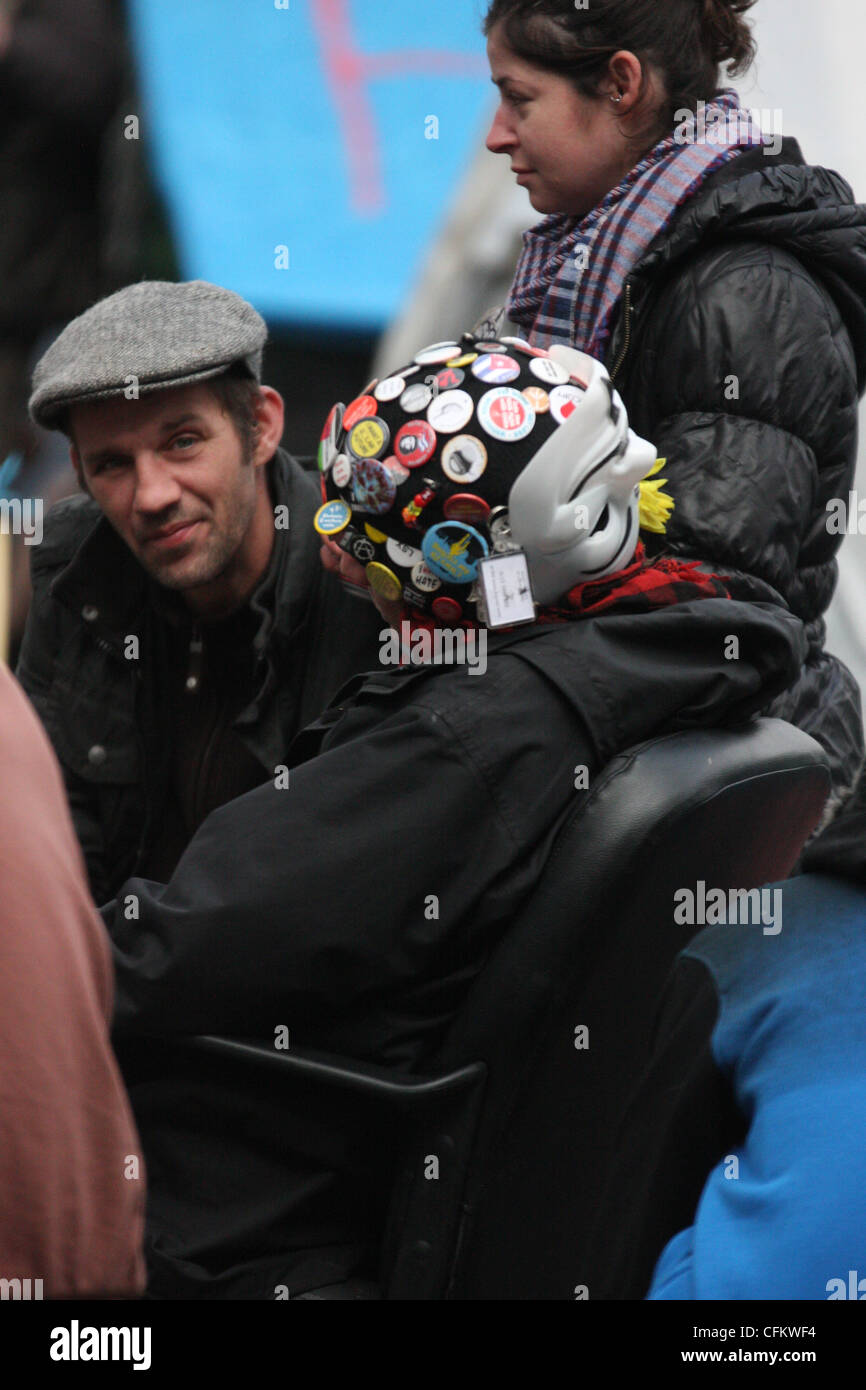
(479, 448)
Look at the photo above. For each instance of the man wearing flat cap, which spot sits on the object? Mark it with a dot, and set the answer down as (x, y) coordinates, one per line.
(181, 629)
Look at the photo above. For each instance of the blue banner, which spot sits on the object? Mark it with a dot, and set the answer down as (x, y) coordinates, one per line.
(307, 150)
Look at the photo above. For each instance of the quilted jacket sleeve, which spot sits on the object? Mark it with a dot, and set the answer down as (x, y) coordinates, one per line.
(752, 383)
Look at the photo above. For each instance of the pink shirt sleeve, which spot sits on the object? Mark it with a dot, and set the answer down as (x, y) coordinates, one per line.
(72, 1180)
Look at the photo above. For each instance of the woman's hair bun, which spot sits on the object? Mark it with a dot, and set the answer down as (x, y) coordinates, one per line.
(727, 35)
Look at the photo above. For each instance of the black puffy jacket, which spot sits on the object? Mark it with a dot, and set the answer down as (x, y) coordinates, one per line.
(740, 351)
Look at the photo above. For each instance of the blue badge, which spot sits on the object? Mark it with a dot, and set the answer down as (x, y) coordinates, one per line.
(332, 518)
(452, 551)
(373, 487)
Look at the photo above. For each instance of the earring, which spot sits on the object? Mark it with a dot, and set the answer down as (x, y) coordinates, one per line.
(617, 99)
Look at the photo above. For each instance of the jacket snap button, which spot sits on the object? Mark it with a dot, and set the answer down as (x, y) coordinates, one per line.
(89, 613)
(97, 755)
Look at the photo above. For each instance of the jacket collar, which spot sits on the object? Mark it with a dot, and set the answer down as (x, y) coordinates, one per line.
(105, 584)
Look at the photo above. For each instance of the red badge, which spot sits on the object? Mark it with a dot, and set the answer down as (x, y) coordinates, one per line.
(361, 408)
(465, 506)
(449, 378)
(415, 443)
(446, 609)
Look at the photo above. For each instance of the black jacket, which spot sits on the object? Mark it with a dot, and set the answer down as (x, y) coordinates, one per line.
(740, 351)
(354, 906)
(105, 713)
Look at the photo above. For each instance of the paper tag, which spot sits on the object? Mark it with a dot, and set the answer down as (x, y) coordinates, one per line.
(506, 589)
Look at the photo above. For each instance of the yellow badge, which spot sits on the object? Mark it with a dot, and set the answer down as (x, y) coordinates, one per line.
(383, 581)
(367, 439)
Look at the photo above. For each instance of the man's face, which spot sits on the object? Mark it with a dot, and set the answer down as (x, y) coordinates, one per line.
(168, 472)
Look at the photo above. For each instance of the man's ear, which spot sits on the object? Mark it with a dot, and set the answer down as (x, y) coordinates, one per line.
(270, 420)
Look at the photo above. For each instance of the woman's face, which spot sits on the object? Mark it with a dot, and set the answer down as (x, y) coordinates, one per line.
(567, 150)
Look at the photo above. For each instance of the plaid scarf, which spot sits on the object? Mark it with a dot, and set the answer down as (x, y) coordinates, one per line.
(571, 272)
(643, 585)
(640, 587)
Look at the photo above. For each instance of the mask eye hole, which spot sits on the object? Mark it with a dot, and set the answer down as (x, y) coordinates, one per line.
(614, 408)
(602, 520)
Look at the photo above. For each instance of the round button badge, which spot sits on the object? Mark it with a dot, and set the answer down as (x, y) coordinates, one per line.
(538, 399)
(465, 506)
(383, 581)
(332, 518)
(360, 408)
(341, 473)
(424, 579)
(450, 411)
(369, 438)
(506, 414)
(416, 398)
(446, 609)
(449, 378)
(397, 471)
(452, 551)
(463, 361)
(415, 443)
(373, 486)
(390, 388)
(547, 370)
(330, 433)
(564, 400)
(437, 352)
(363, 549)
(497, 368)
(520, 343)
(405, 555)
(464, 459)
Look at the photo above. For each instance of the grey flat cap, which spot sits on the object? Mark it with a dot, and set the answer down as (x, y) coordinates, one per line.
(153, 334)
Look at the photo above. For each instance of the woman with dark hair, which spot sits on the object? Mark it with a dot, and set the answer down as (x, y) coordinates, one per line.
(721, 279)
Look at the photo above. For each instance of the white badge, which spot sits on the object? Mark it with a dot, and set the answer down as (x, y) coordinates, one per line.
(563, 401)
(506, 589)
(450, 411)
(341, 473)
(390, 388)
(549, 371)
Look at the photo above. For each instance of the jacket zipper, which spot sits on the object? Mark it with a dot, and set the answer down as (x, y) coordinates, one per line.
(111, 650)
(627, 341)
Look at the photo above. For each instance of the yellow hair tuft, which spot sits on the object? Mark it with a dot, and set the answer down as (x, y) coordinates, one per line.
(655, 505)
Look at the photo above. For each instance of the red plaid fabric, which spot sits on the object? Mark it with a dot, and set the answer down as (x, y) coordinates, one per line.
(642, 586)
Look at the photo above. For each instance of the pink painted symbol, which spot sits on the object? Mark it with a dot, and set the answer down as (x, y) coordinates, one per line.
(347, 74)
